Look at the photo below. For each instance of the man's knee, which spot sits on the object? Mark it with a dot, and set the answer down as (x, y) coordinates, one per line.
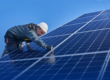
(10, 47)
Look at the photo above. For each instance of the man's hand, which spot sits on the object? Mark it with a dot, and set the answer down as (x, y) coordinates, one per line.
(49, 47)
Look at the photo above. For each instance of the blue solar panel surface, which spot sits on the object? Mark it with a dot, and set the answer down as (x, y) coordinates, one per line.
(107, 71)
(85, 66)
(81, 52)
(82, 67)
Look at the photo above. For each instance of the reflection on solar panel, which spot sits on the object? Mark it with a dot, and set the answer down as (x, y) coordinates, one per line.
(81, 52)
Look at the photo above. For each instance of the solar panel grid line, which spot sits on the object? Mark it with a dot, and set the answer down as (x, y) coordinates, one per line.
(93, 41)
(49, 68)
(100, 20)
(83, 72)
(13, 70)
(87, 67)
(63, 66)
(84, 42)
(95, 25)
(92, 30)
(73, 24)
(35, 70)
(5, 69)
(73, 45)
(53, 49)
(103, 16)
(58, 70)
(9, 53)
(69, 43)
(69, 29)
(103, 40)
(98, 52)
(104, 66)
(58, 27)
(55, 36)
(76, 33)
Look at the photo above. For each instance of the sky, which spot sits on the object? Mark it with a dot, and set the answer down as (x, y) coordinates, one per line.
(54, 12)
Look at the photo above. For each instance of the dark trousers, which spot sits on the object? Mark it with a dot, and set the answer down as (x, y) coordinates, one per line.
(11, 45)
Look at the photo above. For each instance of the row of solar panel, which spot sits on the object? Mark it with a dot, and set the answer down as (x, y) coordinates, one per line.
(94, 25)
(85, 42)
(78, 43)
(84, 67)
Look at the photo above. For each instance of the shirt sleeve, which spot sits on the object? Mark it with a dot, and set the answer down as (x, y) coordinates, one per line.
(32, 36)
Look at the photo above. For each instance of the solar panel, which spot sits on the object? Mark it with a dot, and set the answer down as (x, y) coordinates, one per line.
(83, 66)
(81, 52)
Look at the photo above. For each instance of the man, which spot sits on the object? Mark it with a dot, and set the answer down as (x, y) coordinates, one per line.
(29, 33)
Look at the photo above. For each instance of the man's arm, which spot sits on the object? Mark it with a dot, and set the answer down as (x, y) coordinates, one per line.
(32, 36)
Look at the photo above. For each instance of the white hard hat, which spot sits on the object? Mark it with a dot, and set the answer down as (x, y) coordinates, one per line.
(43, 26)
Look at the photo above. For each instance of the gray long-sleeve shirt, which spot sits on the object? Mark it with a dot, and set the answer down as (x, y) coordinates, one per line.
(23, 32)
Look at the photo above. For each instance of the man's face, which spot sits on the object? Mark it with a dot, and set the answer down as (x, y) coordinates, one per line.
(40, 32)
